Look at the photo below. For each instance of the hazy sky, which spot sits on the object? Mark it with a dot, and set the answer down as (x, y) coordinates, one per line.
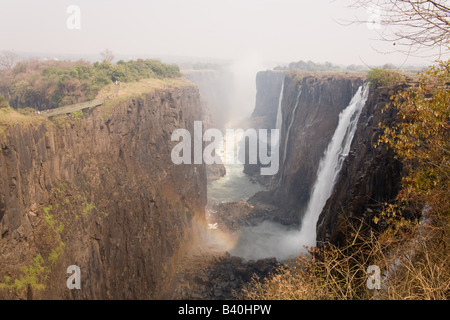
(269, 30)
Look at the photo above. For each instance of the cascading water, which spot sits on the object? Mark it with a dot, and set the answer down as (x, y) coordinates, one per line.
(331, 164)
(279, 114)
(282, 242)
(290, 125)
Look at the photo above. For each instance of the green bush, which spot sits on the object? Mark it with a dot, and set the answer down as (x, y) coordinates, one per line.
(385, 78)
(48, 84)
(78, 114)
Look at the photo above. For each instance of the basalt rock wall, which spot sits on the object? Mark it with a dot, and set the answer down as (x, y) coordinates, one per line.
(100, 192)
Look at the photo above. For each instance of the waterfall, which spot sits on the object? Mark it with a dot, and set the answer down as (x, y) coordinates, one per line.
(270, 239)
(331, 164)
(279, 114)
(290, 125)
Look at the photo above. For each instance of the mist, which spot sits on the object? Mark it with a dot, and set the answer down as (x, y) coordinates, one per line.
(243, 94)
(268, 240)
(279, 31)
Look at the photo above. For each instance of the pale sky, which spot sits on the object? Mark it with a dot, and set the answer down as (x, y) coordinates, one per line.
(268, 30)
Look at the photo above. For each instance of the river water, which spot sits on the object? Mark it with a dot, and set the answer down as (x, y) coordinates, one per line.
(235, 185)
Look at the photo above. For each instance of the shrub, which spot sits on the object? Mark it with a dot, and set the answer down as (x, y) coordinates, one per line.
(78, 114)
(385, 78)
(43, 85)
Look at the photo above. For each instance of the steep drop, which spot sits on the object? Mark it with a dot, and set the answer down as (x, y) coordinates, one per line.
(331, 164)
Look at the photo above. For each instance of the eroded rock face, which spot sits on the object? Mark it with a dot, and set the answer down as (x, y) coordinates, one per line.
(101, 193)
(268, 89)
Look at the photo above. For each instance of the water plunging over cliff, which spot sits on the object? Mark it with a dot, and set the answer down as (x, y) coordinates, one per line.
(331, 164)
(279, 114)
(290, 126)
(282, 242)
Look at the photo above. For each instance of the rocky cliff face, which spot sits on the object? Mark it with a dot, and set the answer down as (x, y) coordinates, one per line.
(310, 110)
(268, 90)
(369, 176)
(101, 193)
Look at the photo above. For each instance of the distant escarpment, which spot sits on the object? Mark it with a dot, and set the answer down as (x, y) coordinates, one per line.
(100, 191)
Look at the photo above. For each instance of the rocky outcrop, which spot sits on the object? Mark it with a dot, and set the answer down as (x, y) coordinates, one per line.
(369, 176)
(219, 276)
(101, 193)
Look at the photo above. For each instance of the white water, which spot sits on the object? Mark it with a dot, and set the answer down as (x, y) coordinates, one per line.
(235, 185)
(290, 125)
(331, 164)
(282, 242)
(279, 114)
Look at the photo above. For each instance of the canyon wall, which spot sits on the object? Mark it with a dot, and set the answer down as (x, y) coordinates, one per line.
(100, 192)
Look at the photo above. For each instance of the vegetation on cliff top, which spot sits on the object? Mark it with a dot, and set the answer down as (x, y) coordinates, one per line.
(385, 78)
(50, 84)
(309, 66)
(411, 253)
(10, 117)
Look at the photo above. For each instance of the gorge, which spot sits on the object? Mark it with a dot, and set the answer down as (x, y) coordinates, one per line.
(101, 191)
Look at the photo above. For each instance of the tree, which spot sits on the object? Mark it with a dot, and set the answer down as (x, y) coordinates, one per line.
(413, 25)
(422, 139)
(107, 55)
(8, 59)
(383, 77)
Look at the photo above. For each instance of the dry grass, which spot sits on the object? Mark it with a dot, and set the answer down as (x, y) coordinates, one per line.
(129, 90)
(9, 118)
(414, 265)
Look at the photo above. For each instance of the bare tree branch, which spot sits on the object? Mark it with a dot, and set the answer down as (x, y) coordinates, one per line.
(8, 59)
(416, 24)
(107, 55)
